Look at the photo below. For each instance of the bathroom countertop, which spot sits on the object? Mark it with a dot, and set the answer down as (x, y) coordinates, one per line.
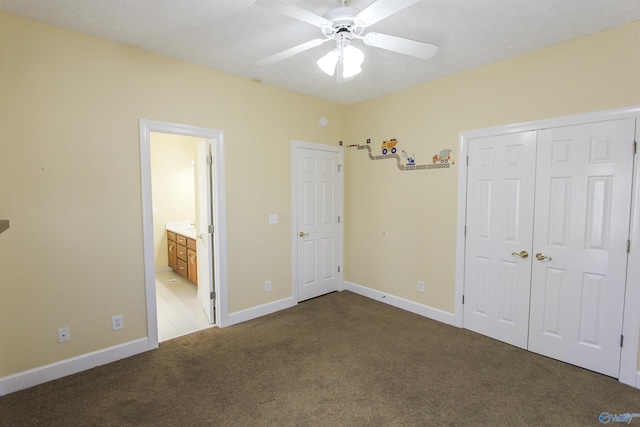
(182, 227)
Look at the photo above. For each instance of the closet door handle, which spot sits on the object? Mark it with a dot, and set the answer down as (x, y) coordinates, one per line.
(303, 234)
(521, 254)
(541, 257)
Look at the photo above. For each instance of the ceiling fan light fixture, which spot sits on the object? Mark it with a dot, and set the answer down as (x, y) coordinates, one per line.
(328, 62)
(352, 59)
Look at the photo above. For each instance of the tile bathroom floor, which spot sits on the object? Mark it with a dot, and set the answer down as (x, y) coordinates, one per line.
(179, 309)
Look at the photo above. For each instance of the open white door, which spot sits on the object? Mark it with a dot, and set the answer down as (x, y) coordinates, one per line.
(204, 225)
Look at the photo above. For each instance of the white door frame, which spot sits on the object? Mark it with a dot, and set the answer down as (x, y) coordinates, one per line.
(629, 373)
(220, 234)
(205, 270)
(295, 145)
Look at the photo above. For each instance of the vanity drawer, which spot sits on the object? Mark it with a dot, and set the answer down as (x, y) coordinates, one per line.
(191, 244)
(171, 236)
(181, 240)
(181, 252)
(182, 267)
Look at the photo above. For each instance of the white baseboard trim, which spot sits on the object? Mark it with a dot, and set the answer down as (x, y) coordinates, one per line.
(404, 304)
(56, 370)
(258, 311)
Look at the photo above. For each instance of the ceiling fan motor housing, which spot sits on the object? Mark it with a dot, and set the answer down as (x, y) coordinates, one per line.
(342, 21)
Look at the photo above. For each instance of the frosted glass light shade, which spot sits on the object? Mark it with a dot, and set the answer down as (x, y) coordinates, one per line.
(352, 59)
(328, 62)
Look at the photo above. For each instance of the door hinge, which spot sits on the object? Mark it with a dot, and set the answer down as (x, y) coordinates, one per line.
(339, 168)
(462, 299)
(338, 269)
(467, 160)
(209, 160)
(210, 229)
(628, 246)
(635, 147)
(212, 295)
(338, 219)
(621, 340)
(465, 231)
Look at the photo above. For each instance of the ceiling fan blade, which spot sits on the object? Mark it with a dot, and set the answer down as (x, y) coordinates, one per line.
(381, 9)
(401, 45)
(292, 51)
(294, 12)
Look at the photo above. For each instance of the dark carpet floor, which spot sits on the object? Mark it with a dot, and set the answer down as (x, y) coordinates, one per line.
(337, 360)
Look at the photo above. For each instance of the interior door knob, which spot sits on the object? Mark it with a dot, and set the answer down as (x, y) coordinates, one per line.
(521, 254)
(541, 257)
(302, 234)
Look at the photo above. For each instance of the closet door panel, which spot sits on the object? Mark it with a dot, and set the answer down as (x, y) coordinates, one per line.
(499, 227)
(581, 225)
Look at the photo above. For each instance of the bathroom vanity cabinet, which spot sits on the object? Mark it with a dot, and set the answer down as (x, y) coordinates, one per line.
(183, 256)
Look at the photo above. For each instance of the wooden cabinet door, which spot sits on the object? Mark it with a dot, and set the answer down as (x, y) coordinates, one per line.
(173, 260)
(192, 266)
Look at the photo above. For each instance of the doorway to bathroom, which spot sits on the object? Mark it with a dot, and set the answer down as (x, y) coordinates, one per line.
(180, 206)
(184, 228)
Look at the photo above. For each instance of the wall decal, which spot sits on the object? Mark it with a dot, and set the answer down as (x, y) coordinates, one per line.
(406, 162)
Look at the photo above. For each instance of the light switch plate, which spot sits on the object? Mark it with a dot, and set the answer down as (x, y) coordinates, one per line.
(273, 219)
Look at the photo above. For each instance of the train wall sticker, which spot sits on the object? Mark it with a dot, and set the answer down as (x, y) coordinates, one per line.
(407, 162)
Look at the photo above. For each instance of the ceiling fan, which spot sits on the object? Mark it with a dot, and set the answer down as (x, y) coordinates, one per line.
(343, 24)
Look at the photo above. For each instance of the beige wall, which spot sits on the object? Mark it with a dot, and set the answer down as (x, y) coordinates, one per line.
(70, 173)
(400, 226)
(173, 186)
(70, 183)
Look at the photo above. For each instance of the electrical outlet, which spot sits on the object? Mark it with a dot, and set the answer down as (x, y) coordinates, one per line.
(420, 286)
(64, 335)
(267, 286)
(117, 322)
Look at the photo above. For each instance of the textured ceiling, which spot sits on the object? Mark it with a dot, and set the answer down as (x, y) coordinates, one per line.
(232, 35)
